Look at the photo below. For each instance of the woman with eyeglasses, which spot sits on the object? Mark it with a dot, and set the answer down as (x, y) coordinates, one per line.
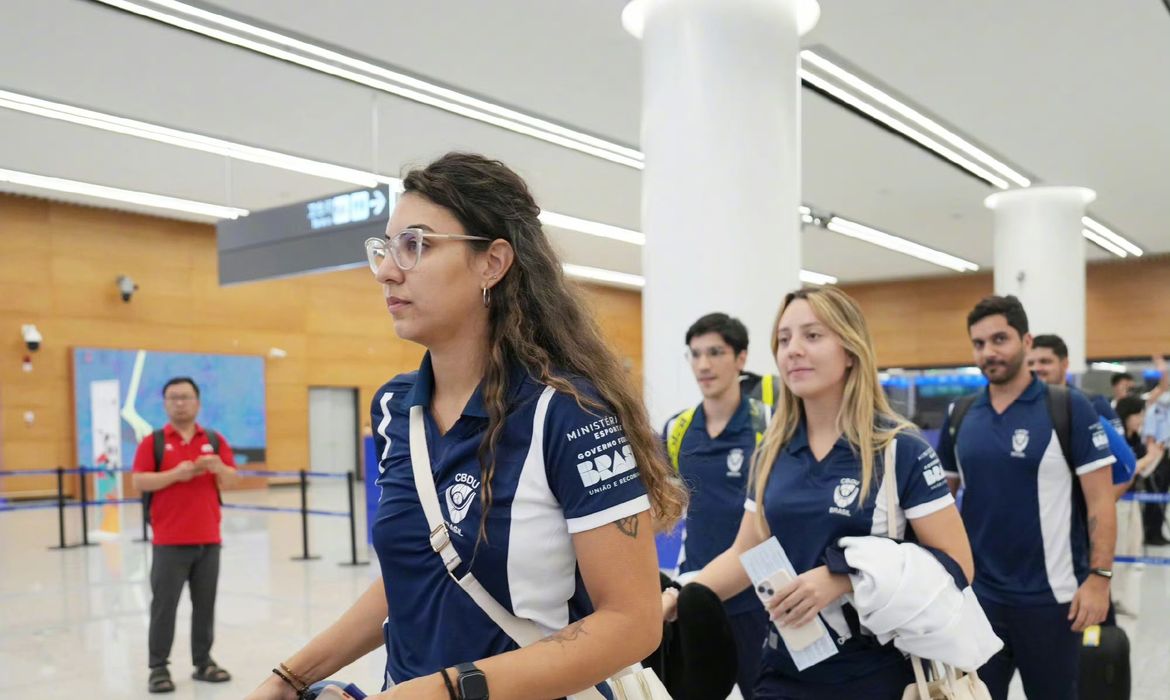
(546, 480)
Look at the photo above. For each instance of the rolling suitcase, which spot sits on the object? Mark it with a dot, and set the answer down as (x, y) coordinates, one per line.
(1105, 664)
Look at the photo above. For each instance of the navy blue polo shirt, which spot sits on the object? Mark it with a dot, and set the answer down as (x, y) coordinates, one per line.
(809, 504)
(1126, 463)
(1021, 507)
(1104, 409)
(716, 471)
(560, 470)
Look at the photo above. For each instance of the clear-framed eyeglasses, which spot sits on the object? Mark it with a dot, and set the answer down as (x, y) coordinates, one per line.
(406, 247)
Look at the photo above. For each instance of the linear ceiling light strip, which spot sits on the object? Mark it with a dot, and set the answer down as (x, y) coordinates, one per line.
(868, 234)
(1105, 243)
(964, 154)
(157, 201)
(626, 279)
(385, 80)
(915, 117)
(184, 139)
(903, 128)
(397, 77)
(450, 100)
(1108, 234)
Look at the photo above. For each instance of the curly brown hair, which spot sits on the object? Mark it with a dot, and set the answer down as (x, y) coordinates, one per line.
(539, 321)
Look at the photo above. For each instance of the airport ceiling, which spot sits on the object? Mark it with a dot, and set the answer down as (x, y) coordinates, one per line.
(1067, 91)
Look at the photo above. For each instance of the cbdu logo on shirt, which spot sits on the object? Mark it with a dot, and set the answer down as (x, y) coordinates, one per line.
(735, 462)
(844, 496)
(1019, 442)
(459, 497)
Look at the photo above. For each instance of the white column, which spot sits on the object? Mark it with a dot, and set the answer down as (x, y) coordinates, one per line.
(721, 188)
(1040, 258)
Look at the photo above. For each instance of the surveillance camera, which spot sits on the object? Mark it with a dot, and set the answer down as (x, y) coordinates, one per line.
(126, 287)
(32, 337)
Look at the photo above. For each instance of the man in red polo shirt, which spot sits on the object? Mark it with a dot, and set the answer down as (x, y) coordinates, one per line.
(184, 516)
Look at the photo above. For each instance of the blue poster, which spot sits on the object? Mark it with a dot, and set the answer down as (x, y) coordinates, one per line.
(232, 398)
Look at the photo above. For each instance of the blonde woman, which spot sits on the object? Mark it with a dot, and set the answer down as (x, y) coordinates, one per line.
(816, 478)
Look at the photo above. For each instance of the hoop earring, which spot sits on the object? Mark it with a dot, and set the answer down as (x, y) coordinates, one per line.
(487, 296)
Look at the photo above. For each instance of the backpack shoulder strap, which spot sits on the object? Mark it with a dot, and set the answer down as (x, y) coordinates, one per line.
(160, 445)
(1060, 410)
(212, 439)
(678, 429)
(768, 391)
(961, 406)
(761, 415)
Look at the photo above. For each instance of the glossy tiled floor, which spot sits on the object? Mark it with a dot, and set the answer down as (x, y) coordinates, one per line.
(73, 623)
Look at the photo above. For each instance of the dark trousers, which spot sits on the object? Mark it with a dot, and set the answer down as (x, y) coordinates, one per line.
(173, 565)
(748, 629)
(1154, 514)
(1039, 641)
(888, 683)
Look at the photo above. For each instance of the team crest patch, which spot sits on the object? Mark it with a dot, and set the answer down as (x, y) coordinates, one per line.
(735, 462)
(844, 496)
(1019, 442)
(459, 498)
(205, 449)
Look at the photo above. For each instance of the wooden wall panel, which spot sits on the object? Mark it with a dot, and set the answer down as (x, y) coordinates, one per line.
(922, 322)
(58, 264)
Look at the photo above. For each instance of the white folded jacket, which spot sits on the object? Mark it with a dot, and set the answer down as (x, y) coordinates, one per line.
(901, 592)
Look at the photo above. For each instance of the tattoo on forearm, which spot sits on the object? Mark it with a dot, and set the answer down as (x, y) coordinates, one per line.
(629, 526)
(569, 634)
(1092, 525)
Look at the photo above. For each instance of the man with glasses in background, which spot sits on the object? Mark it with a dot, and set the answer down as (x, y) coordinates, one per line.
(180, 469)
(711, 446)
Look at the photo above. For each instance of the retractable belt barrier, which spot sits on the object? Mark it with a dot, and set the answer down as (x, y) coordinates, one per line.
(304, 511)
(60, 504)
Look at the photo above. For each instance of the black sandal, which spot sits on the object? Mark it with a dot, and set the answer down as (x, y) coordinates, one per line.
(211, 673)
(160, 681)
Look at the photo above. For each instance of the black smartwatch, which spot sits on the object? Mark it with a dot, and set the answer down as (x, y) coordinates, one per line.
(471, 682)
(1105, 573)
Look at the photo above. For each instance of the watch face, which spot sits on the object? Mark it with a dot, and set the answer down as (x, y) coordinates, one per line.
(473, 685)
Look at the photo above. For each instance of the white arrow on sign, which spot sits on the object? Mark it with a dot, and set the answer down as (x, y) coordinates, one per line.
(378, 202)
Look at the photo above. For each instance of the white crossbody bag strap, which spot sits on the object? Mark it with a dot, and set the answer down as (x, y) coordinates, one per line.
(890, 479)
(523, 632)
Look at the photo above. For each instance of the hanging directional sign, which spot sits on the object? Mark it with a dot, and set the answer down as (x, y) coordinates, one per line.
(322, 234)
(342, 209)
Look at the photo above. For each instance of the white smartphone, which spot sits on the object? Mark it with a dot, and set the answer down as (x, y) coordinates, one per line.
(795, 638)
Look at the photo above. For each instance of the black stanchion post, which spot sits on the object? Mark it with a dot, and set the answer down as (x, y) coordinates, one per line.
(84, 511)
(61, 510)
(145, 517)
(304, 519)
(353, 561)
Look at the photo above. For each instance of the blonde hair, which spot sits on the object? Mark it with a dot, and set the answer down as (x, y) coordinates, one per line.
(866, 419)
